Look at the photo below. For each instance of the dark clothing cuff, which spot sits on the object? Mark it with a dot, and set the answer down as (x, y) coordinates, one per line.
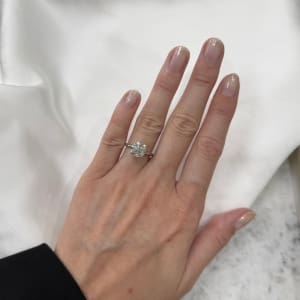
(37, 274)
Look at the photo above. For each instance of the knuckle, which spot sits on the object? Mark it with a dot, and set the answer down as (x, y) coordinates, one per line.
(191, 193)
(219, 234)
(202, 80)
(113, 141)
(180, 212)
(221, 238)
(151, 123)
(186, 215)
(223, 111)
(209, 148)
(184, 124)
(167, 83)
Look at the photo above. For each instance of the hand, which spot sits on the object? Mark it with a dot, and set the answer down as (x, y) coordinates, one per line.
(132, 230)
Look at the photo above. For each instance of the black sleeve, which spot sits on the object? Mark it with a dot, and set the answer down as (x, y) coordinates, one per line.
(37, 274)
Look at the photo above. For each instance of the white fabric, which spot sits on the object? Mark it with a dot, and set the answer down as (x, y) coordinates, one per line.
(65, 65)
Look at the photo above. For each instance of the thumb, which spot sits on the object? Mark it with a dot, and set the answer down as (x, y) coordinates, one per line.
(210, 240)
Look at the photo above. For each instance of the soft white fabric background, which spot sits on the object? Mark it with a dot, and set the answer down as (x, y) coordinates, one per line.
(65, 64)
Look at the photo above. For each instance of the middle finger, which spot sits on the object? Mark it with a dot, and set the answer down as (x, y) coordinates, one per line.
(150, 122)
(185, 119)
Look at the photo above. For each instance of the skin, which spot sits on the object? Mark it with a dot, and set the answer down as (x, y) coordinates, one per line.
(132, 229)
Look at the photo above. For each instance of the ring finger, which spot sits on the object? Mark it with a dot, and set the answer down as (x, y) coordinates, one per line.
(151, 120)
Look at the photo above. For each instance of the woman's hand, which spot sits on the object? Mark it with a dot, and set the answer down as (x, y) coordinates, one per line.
(131, 230)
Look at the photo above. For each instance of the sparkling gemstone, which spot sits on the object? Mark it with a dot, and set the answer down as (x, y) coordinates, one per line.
(138, 149)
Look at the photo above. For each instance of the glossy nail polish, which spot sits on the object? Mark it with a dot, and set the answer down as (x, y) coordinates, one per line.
(131, 98)
(179, 59)
(230, 86)
(213, 52)
(244, 219)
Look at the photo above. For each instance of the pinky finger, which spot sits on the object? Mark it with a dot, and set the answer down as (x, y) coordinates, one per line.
(115, 135)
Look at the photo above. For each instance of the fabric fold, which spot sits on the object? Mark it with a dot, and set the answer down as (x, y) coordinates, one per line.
(65, 64)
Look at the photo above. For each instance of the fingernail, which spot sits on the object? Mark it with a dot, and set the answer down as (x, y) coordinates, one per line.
(179, 59)
(244, 219)
(230, 86)
(213, 52)
(131, 98)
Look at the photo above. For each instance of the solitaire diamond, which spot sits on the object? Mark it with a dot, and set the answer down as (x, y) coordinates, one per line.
(138, 149)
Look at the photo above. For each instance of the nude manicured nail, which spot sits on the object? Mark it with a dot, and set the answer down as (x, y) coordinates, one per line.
(179, 59)
(131, 98)
(213, 52)
(230, 86)
(244, 219)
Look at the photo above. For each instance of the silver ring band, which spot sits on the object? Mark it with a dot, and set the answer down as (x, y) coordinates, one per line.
(139, 149)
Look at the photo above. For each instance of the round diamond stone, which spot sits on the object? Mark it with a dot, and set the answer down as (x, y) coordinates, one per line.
(138, 149)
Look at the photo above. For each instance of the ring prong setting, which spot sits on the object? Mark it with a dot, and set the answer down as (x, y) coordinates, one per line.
(138, 149)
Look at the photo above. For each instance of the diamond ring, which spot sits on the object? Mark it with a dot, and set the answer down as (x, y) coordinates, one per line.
(139, 149)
